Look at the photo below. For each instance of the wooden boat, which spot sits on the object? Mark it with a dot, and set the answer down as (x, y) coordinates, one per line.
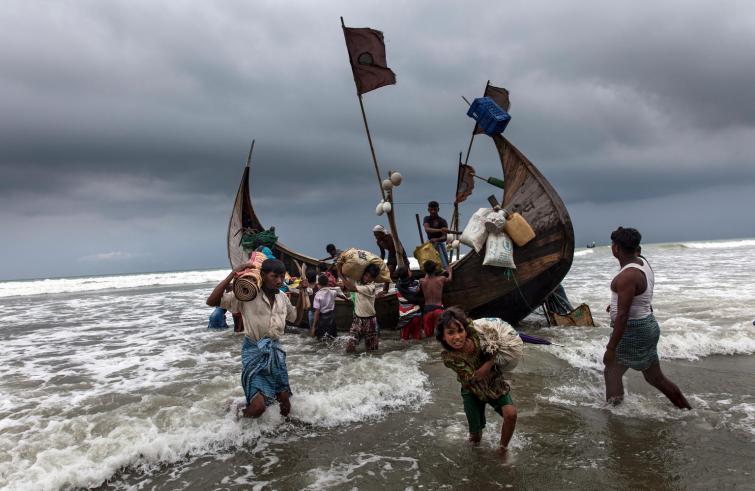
(483, 291)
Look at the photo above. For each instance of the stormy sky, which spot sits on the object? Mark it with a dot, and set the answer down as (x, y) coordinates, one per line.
(124, 125)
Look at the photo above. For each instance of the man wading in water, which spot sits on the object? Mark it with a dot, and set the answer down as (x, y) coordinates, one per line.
(634, 340)
(264, 375)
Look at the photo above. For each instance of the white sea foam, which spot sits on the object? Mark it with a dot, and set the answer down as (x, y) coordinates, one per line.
(721, 244)
(584, 347)
(342, 473)
(122, 384)
(95, 283)
(584, 252)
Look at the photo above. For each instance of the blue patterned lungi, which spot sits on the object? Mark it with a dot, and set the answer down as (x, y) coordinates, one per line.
(264, 369)
(638, 346)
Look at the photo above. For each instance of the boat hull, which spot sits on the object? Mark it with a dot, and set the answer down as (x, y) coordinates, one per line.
(482, 291)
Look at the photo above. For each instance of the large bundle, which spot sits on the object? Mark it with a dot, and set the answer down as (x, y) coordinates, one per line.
(353, 261)
(499, 339)
(427, 252)
(499, 251)
(248, 283)
(495, 222)
(474, 234)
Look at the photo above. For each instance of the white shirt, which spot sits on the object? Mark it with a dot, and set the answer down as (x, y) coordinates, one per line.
(364, 301)
(642, 303)
(261, 319)
(325, 300)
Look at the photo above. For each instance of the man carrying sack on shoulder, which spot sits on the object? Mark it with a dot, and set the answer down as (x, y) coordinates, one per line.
(264, 375)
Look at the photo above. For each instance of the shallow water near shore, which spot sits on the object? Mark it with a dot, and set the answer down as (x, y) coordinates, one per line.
(124, 388)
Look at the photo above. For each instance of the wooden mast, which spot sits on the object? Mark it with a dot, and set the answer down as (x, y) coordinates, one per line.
(389, 197)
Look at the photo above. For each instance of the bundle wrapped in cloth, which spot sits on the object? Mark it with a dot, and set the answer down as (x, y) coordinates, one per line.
(248, 283)
(499, 339)
(475, 233)
(495, 221)
(353, 261)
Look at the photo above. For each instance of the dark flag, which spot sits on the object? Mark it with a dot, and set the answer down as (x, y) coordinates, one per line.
(466, 183)
(367, 56)
(500, 96)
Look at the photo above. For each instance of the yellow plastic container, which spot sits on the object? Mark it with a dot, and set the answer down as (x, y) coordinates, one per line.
(426, 252)
(518, 229)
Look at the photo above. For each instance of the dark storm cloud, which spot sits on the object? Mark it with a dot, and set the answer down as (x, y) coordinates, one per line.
(139, 114)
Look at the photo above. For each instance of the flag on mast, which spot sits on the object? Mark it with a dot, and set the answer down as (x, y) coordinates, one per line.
(367, 56)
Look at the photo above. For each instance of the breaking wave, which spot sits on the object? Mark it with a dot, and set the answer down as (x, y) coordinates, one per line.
(95, 283)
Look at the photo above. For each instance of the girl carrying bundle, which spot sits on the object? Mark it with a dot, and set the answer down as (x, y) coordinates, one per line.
(480, 352)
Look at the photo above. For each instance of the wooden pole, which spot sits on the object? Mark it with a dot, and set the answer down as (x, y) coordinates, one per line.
(364, 118)
(392, 223)
(419, 229)
(474, 131)
(249, 158)
(455, 219)
(386, 197)
(372, 148)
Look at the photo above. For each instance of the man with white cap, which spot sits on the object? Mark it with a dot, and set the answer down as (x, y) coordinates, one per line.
(385, 243)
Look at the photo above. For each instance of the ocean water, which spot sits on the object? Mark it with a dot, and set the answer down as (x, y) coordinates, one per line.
(115, 383)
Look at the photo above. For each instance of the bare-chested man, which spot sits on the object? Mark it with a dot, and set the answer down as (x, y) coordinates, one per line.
(432, 289)
(634, 340)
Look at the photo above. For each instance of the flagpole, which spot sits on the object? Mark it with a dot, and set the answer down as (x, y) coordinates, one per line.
(455, 220)
(474, 131)
(372, 147)
(391, 219)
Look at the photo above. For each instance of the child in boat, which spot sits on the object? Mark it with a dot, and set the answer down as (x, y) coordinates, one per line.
(481, 384)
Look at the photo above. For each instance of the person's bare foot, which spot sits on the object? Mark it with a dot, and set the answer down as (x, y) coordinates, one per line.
(474, 439)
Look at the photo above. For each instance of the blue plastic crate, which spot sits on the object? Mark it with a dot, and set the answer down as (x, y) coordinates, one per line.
(489, 115)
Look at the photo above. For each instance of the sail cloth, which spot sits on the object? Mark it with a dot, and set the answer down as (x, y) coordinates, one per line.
(466, 183)
(367, 56)
(500, 96)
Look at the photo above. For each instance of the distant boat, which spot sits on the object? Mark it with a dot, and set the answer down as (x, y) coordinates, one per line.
(483, 291)
(590, 246)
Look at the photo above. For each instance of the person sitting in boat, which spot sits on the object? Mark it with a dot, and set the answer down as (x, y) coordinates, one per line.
(409, 304)
(634, 340)
(324, 305)
(364, 323)
(264, 375)
(432, 289)
(385, 243)
(436, 229)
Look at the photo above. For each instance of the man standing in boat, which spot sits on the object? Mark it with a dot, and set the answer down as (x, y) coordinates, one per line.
(634, 340)
(264, 375)
(436, 229)
(385, 243)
